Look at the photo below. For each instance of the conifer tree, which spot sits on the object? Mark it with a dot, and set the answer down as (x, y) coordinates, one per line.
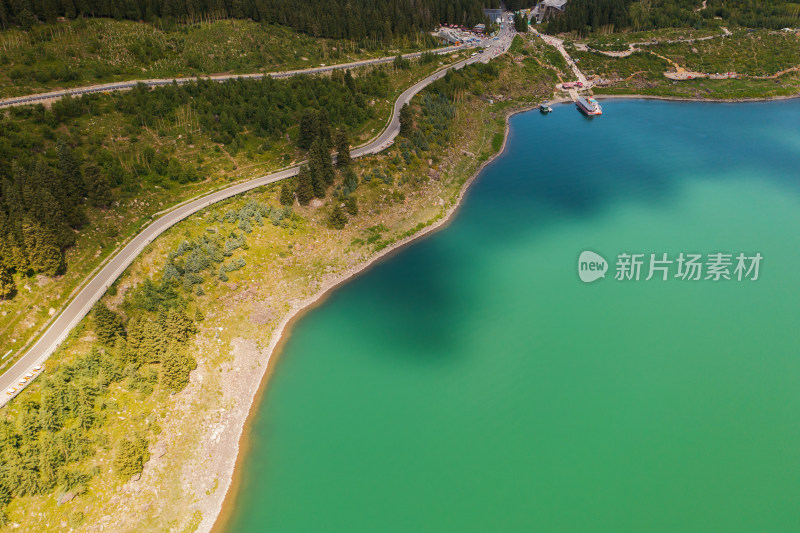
(305, 188)
(179, 327)
(406, 121)
(154, 342)
(131, 457)
(316, 165)
(343, 159)
(351, 205)
(72, 185)
(175, 368)
(309, 129)
(337, 219)
(98, 189)
(7, 286)
(107, 324)
(287, 196)
(350, 181)
(44, 255)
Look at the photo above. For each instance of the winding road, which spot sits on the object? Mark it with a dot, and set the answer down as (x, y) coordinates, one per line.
(127, 85)
(92, 291)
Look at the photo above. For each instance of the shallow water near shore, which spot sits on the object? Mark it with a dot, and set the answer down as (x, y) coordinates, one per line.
(472, 382)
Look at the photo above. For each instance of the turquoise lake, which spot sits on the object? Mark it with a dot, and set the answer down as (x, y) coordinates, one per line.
(472, 383)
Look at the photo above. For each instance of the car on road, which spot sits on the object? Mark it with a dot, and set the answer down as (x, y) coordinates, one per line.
(37, 368)
(11, 391)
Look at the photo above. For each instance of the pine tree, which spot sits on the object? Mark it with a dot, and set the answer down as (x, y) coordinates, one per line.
(44, 256)
(287, 196)
(107, 324)
(350, 181)
(98, 189)
(309, 129)
(316, 166)
(324, 127)
(7, 286)
(179, 327)
(305, 189)
(406, 121)
(175, 369)
(73, 185)
(337, 219)
(351, 205)
(135, 337)
(343, 159)
(131, 457)
(153, 343)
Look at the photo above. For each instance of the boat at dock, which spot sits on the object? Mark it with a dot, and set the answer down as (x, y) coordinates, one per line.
(544, 109)
(589, 107)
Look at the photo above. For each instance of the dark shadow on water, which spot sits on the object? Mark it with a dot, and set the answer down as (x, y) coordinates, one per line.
(562, 167)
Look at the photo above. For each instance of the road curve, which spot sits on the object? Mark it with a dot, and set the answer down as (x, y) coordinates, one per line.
(88, 295)
(126, 85)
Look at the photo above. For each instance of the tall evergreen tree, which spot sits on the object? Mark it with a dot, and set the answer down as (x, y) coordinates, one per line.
(343, 159)
(107, 324)
(316, 165)
(44, 254)
(337, 219)
(7, 286)
(287, 196)
(72, 184)
(305, 188)
(309, 129)
(98, 188)
(406, 121)
(175, 368)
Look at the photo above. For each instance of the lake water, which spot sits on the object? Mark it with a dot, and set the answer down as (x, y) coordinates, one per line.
(473, 383)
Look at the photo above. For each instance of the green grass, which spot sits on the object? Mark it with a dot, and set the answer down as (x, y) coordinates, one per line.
(621, 40)
(757, 53)
(90, 51)
(22, 318)
(593, 63)
(703, 88)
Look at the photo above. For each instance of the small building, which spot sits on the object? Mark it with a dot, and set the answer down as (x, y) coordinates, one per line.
(548, 9)
(480, 28)
(493, 14)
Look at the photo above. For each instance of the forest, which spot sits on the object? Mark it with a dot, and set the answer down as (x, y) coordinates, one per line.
(50, 439)
(347, 19)
(52, 173)
(586, 16)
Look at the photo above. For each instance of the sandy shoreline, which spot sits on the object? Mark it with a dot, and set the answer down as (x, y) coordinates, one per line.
(217, 513)
(222, 512)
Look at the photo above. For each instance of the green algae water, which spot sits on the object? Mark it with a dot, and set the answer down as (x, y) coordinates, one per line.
(473, 383)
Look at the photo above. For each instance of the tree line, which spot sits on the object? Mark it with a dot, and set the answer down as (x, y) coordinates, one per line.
(586, 16)
(48, 439)
(340, 19)
(49, 178)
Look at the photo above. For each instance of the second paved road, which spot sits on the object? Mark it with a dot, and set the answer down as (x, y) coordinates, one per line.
(94, 289)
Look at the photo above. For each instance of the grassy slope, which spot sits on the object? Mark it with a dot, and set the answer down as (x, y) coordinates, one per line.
(758, 53)
(23, 316)
(298, 259)
(90, 51)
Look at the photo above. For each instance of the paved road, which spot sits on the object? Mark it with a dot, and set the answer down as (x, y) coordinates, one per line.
(92, 291)
(126, 85)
